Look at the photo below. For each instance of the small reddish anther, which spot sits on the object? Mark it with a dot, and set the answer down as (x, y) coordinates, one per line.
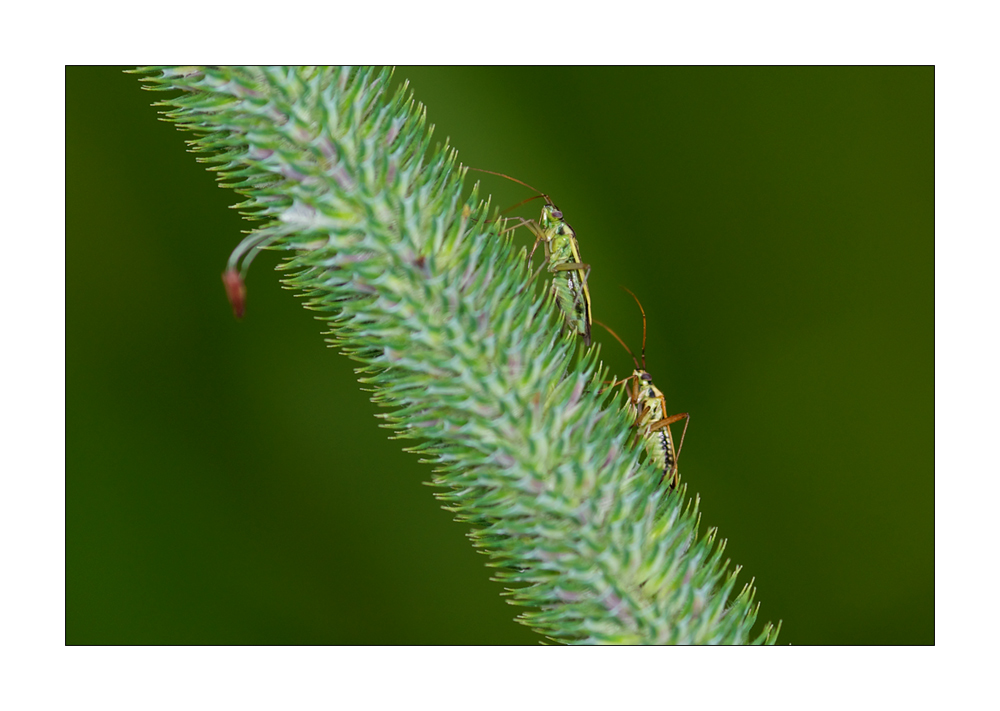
(236, 291)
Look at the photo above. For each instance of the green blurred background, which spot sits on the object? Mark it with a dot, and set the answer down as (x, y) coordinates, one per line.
(227, 482)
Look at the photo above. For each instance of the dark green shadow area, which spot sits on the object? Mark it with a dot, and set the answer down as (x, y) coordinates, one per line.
(227, 483)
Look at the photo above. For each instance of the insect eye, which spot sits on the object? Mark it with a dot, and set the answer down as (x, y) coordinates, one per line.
(556, 213)
(647, 377)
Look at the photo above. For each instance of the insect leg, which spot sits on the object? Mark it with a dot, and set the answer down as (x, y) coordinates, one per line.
(640, 412)
(614, 383)
(545, 245)
(666, 421)
(539, 237)
(532, 227)
(680, 446)
(573, 267)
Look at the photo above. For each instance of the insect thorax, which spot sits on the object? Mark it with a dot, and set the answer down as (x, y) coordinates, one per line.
(561, 248)
(648, 399)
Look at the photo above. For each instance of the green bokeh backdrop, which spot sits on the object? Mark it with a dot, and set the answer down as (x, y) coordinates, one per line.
(227, 482)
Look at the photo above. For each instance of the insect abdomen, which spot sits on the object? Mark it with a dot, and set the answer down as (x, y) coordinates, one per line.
(569, 285)
(568, 289)
(661, 450)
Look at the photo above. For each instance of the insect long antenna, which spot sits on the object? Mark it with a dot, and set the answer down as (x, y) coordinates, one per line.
(521, 182)
(617, 338)
(523, 202)
(643, 326)
(514, 207)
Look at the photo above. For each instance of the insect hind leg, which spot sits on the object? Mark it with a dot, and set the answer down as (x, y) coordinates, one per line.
(573, 267)
(667, 421)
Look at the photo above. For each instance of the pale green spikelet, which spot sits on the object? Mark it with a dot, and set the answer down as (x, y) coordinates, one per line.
(428, 295)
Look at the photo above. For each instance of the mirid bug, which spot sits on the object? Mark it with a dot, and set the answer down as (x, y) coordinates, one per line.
(562, 259)
(649, 408)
